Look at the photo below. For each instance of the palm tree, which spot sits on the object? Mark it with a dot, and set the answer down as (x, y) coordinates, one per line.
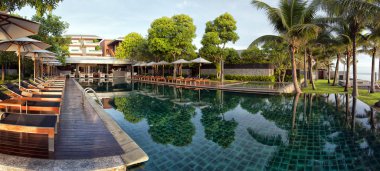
(358, 13)
(371, 43)
(343, 44)
(293, 20)
(338, 47)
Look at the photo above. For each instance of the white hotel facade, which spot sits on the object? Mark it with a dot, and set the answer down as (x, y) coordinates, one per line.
(90, 54)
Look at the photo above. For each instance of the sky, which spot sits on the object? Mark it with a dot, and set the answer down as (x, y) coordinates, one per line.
(111, 19)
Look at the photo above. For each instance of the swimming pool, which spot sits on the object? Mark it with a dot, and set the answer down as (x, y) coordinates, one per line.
(183, 129)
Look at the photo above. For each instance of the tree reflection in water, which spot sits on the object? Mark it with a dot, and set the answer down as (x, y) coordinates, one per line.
(322, 131)
(168, 123)
(217, 128)
(316, 138)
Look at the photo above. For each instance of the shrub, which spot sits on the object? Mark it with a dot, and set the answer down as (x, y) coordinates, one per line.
(250, 78)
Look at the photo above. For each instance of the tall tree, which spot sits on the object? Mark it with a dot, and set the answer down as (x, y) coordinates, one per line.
(255, 55)
(293, 20)
(218, 33)
(358, 14)
(41, 6)
(277, 54)
(232, 56)
(51, 32)
(172, 37)
(370, 45)
(132, 47)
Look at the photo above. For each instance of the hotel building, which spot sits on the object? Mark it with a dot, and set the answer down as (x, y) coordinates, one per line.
(90, 54)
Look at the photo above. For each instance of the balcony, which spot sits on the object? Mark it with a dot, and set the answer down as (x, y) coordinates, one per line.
(75, 44)
(91, 43)
(94, 52)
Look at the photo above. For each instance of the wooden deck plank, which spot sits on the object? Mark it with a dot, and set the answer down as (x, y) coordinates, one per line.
(82, 134)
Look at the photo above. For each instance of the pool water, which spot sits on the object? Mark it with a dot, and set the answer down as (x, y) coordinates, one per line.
(182, 129)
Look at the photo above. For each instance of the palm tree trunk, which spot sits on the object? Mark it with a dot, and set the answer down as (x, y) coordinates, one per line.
(304, 70)
(336, 75)
(355, 92)
(372, 88)
(283, 76)
(174, 70)
(348, 61)
(2, 72)
(311, 71)
(328, 73)
(378, 76)
(294, 70)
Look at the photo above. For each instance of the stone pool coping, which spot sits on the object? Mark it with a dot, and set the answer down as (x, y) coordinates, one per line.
(133, 154)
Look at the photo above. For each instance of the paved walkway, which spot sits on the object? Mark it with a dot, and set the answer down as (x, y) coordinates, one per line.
(81, 134)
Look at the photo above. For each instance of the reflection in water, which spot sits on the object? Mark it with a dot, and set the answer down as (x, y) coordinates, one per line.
(168, 123)
(249, 131)
(217, 128)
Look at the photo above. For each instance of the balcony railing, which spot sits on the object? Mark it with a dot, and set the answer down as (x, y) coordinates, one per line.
(94, 51)
(91, 43)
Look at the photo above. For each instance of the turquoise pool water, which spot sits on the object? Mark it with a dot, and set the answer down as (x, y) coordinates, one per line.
(182, 129)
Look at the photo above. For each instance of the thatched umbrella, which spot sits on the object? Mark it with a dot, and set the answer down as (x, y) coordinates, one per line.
(180, 62)
(152, 64)
(163, 63)
(200, 61)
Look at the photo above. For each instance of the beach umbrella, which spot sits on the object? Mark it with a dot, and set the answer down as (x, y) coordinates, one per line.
(200, 61)
(143, 64)
(152, 64)
(12, 27)
(40, 54)
(180, 62)
(22, 45)
(163, 63)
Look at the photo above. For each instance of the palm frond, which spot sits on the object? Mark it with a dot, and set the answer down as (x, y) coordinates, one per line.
(274, 15)
(307, 31)
(266, 38)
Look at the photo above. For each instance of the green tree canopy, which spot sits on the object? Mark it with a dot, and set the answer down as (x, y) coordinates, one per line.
(132, 47)
(218, 33)
(172, 37)
(254, 55)
(51, 32)
(232, 56)
(41, 6)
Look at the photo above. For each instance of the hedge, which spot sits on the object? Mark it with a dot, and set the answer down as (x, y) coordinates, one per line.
(250, 78)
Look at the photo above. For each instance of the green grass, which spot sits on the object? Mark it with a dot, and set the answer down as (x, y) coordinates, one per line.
(323, 88)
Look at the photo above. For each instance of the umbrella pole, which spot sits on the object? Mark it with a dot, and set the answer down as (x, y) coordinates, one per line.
(163, 70)
(19, 65)
(199, 73)
(34, 67)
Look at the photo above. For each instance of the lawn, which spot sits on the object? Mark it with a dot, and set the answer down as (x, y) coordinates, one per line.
(323, 87)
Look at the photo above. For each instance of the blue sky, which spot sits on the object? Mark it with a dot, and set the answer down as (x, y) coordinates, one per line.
(116, 18)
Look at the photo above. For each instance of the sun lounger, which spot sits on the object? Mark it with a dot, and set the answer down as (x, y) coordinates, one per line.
(31, 101)
(47, 84)
(72, 75)
(30, 93)
(30, 123)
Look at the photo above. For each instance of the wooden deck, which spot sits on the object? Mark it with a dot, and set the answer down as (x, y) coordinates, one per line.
(81, 135)
(216, 86)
